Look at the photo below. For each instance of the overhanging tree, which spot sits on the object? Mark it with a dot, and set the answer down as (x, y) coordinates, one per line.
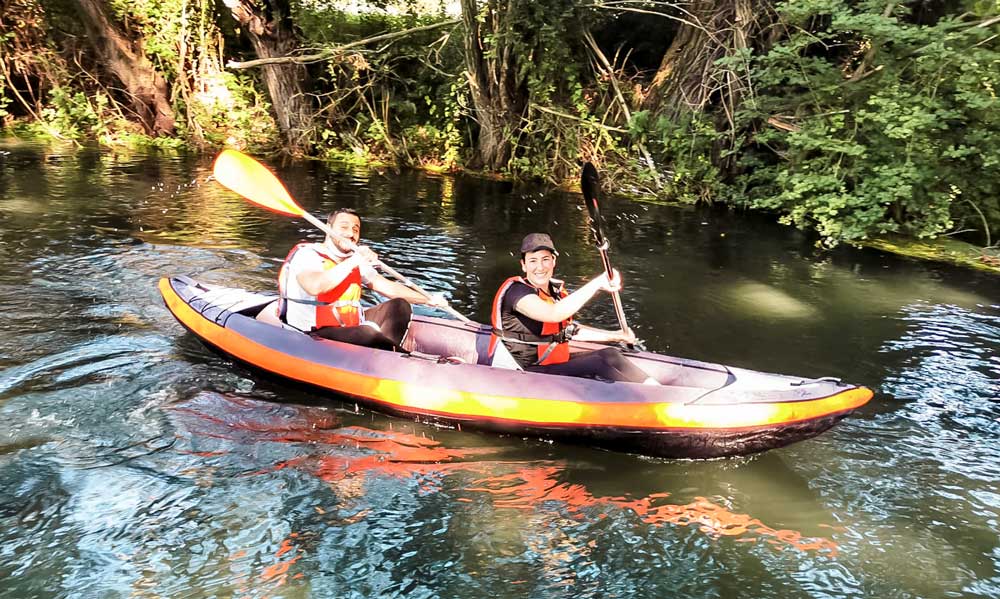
(268, 24)
(123, 55)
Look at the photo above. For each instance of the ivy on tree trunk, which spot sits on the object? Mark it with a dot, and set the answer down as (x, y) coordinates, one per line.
(497, 79)
(125, 58)
(268, 23)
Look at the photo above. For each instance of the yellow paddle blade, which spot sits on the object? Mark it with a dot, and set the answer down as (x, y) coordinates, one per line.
(252, 180)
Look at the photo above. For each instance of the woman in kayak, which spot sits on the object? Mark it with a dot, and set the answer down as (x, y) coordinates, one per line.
(321, 283)
(532, 322)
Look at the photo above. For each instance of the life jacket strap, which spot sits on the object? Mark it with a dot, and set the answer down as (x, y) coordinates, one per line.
(523, 339)
(545, 354)
(336, 304)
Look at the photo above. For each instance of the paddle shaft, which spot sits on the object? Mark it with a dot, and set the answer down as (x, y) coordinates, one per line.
(387, 269)
(615, 297)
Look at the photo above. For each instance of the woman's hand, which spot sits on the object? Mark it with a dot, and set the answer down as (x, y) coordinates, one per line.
(628, 336)
(612, 283)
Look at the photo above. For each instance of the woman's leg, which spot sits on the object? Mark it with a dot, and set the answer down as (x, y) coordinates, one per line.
(607, 363)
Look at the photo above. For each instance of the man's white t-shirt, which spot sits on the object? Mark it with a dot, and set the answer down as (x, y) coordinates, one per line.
(307, 258)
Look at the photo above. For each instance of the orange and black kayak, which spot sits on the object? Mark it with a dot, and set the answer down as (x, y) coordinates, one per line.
(701, 410)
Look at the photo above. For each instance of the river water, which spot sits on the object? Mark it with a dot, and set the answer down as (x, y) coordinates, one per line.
(134, 462)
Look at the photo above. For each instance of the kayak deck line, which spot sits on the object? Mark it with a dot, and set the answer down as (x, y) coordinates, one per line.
(702, 409)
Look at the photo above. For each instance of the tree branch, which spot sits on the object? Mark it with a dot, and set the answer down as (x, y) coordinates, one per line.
(608, 70)
(563, 115)
(862, 71)
(619, 6)
(329, 53)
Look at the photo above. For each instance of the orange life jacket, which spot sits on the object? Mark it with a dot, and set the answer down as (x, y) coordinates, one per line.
(552, 346)
(337, 307)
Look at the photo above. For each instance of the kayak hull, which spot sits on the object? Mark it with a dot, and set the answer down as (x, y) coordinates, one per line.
(701, 410)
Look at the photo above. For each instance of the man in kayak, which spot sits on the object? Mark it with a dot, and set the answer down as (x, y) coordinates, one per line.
(320, 287)
(532, 322)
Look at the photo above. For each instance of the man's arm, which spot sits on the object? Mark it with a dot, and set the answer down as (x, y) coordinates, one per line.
(394, 289)
(315, 282)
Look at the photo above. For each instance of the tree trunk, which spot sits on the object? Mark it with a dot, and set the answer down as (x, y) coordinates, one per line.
(126, 60)
(269, 26)
(688, 78)
(496, 79)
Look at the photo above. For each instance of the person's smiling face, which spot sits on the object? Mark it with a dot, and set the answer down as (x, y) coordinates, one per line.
(538, 267)
(349, 227)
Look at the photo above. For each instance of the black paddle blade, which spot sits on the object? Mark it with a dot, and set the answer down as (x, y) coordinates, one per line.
(591, 186)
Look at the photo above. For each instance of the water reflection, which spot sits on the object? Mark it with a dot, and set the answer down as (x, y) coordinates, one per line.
(529, 511)
(949, 375)
(767, 301)
(359, 452)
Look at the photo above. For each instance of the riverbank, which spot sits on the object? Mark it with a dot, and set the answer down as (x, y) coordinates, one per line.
(942, 249)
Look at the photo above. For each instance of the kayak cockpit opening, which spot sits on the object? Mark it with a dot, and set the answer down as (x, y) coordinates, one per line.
(269, 314)
(457, 342)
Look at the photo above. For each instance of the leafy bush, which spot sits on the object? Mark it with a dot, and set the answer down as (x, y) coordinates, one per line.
(687, 147)
(868, 124)
(74, 114)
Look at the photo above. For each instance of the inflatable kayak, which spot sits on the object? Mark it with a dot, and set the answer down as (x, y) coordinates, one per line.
(701, 410)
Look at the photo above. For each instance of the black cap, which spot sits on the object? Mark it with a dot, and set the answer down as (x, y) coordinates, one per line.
(537, 241)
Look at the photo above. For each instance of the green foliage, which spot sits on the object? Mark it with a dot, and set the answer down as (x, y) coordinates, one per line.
(853, 123)
(230, 109)
(161, 24)
(868, 124)
(6, 40)
(388, 105)
(549, 145)
(441, 145)
(75, 114)
(686, 147)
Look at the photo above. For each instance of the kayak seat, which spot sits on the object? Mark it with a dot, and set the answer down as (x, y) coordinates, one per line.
(502, 358)
(448, 339)
(270, 314)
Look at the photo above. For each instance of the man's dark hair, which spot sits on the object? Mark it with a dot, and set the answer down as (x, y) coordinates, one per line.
(333, 215)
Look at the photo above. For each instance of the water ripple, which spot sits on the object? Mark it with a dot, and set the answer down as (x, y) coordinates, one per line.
(78, 365)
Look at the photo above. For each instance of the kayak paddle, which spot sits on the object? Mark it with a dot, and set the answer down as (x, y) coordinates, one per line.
(591, 186)
(252, 180)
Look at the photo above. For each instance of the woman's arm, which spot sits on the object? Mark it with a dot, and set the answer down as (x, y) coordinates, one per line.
(538, 309)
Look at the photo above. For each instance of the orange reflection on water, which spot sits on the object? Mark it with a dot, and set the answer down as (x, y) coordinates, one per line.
(364, 452)
(277, 573)
(387, 453)
(528, 488)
